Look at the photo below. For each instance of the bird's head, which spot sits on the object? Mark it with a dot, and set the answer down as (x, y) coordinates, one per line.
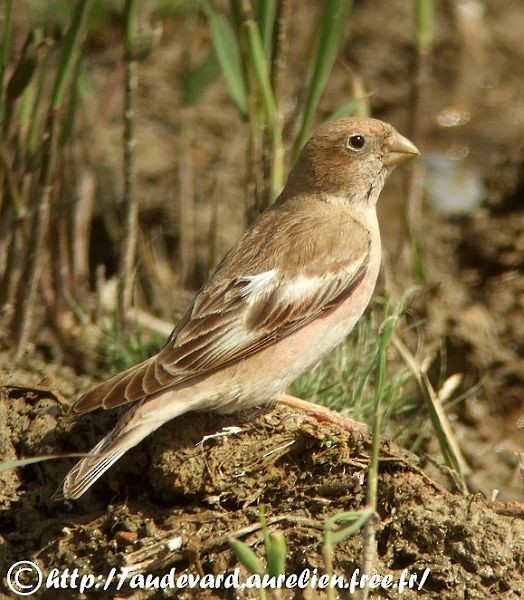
(350, 159)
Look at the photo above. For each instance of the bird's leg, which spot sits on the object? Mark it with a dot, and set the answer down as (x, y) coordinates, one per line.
(322, 413)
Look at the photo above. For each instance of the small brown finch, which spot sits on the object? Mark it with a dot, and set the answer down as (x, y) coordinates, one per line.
(288, 292)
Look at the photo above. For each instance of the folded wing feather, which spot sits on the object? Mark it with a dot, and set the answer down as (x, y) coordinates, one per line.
(232, 318)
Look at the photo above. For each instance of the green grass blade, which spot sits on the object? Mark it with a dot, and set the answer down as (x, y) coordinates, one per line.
(35, 121)
(348, 108)
(276, 552)
(5, 48)
(259, 61)
(424, 20)
(357, 520)
(68, 55)
(68, 122)
(131, 25)
(197, 80)
(26, 106)
(228, 54)
(267, 11)
(331, 30)
(21, 76)
(246, 556)
(23, 73)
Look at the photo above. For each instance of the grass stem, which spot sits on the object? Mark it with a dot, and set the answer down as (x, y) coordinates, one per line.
(127, 260)
(29, 284)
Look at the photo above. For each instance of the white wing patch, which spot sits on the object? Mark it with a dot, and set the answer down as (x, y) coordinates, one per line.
(291, 291)
(302, 287)
(258, 286)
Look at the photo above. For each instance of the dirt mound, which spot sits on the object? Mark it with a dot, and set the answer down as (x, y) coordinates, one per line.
(175, 500)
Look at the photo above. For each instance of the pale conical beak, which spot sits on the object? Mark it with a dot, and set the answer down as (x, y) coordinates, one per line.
(400, 150)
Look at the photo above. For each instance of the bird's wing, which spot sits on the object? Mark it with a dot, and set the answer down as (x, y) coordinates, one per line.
(233, 317)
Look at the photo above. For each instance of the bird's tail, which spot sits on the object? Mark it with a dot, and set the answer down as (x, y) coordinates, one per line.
(132, 428)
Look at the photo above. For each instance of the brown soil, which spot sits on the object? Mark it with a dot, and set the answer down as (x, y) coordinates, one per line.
(177, 486)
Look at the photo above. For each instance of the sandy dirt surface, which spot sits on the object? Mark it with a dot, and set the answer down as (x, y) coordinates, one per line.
(177, 487)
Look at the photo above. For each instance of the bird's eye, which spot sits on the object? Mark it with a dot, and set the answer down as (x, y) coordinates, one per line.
(356, 142)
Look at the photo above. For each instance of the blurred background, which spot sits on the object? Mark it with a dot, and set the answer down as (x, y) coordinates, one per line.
(138, 139)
